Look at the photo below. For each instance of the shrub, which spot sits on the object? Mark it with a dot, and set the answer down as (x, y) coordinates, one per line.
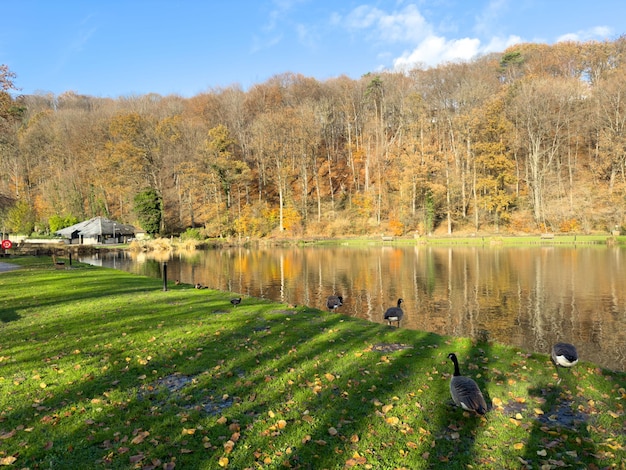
(191, 234)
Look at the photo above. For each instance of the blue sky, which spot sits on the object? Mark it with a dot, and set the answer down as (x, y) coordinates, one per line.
(112, 48)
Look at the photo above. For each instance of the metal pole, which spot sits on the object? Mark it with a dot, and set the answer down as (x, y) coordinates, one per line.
(164, 276)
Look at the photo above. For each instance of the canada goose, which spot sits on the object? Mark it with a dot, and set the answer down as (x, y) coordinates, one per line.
(394, 314)
(200, 286)
(333, 302)
(236, 301)
(564, 355)
(465, 392)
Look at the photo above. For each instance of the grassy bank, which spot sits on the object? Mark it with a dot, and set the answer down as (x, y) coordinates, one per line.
(479, 240)
(103, 369)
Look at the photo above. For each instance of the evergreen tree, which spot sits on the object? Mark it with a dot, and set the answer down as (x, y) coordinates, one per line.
(148, 207)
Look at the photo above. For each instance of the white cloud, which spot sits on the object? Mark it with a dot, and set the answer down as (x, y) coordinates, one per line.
(435, 50)
(497, 44)
(429, 47)
(306, 35)
(406, 25)
(490, 16)
(598, 33)
(267, 42)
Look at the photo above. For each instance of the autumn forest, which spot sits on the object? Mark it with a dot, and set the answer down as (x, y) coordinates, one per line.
(529, 140)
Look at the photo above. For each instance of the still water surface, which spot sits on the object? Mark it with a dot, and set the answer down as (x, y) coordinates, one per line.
(528, 297)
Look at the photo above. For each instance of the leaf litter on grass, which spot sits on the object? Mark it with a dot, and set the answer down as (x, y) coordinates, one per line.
(342, 394)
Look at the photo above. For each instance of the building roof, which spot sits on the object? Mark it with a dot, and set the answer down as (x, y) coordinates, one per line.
(96, 226)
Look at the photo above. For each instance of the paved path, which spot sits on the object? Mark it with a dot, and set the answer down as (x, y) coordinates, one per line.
(4, 267)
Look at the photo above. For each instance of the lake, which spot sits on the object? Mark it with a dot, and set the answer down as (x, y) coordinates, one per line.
(528, 297)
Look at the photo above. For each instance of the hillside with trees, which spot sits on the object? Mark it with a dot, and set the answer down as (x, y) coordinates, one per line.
(528, 140)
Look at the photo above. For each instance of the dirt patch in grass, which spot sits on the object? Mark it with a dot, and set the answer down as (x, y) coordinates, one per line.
(175, 384)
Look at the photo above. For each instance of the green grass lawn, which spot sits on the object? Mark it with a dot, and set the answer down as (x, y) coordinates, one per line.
(104, 369)
(479, 240)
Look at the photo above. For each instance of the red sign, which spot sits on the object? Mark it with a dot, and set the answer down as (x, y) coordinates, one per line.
(7, 244)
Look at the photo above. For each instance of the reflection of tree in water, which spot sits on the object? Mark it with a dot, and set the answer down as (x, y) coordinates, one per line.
(528, 297)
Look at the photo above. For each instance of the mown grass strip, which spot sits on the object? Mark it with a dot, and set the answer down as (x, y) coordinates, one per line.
(103, 369)
(479, 240)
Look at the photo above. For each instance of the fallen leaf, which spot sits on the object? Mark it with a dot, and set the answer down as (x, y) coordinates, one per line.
(542, 453)
(332, 431)
(356, 459)
(518, 446)
(7, 435)
(139, 438)
(393, 420)
(223, 461)
(9, 460)
(228, 446)
(136, 458)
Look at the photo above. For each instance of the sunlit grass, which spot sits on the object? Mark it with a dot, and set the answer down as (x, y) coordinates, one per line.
(103, 369)
(478, 240)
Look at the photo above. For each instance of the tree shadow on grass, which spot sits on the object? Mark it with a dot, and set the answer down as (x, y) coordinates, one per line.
(8, 315)
(459, 430)
(344, 402)
(113, 403)
(283, 385)
(560, 425)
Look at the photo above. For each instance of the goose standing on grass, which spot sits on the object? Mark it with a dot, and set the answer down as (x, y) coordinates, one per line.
(564, 355)
(236, 301)
(465, 392)
(394, 314)
(333, 302)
